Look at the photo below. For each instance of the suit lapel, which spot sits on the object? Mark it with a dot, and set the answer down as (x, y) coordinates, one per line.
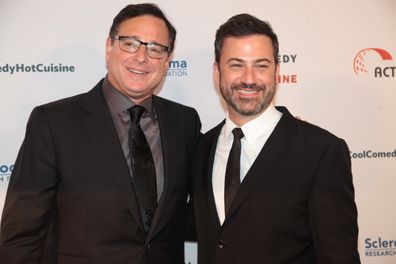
(267, 160)
(100, 127)
(168, 125)
(208, 155)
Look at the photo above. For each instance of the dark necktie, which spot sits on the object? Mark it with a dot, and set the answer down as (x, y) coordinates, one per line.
(232, 175)
(143, 169)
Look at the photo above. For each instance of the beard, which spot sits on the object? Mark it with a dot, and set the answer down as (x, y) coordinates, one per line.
(248, 106)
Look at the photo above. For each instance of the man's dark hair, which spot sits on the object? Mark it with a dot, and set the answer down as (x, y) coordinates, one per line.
(131, 11)
(244, 25)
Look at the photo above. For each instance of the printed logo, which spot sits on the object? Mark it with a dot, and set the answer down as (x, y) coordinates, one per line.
(177, 68)
(287, 78)
(379, 247)
(381, 70)
(369, 154)
(36, 68)
(5, 173)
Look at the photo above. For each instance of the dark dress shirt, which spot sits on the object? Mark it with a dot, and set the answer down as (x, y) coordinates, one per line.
(118, 105)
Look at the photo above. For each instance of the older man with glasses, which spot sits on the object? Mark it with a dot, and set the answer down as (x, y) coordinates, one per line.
(101, 177)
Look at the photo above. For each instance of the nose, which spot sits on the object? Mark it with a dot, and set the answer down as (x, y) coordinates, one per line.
(248, 76)
(141, 54)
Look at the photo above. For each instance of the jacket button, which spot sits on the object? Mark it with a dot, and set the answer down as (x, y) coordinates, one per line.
(221, 244)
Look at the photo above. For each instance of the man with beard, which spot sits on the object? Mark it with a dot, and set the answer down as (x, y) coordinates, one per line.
(268, 188)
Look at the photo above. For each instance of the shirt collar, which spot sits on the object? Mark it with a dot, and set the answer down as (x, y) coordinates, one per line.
(255, 128)
(119, 103)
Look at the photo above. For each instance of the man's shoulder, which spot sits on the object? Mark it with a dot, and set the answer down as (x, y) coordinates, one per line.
(64, 102)
(314, 138)
(167, 102)
(311, 129)
(71, 106)
(186, 117)
(161, 103)
(315, 133)
(302, 128)
(215, 130)
(211, 136)
(74, 100)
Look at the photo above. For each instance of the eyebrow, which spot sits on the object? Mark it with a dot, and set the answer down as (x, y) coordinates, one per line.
(256, 61)
(140, 39)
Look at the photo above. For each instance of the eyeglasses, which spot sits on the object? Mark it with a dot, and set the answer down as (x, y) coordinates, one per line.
(132, 44)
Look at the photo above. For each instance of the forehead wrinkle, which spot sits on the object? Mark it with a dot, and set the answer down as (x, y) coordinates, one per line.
(243, 60)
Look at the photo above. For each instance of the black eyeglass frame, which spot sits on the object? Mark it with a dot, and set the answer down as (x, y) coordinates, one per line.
(165, 51)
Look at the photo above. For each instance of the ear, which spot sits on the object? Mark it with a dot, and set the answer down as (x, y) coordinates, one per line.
(277, 68)
(216, 73)
(109, 47)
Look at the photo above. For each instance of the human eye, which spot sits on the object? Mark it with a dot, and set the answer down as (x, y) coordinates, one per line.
(262, 66)
(130, 43)
(235, 65)
(154, 48)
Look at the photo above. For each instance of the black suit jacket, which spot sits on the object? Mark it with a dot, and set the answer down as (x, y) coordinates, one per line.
(71, 177)
(295, 205)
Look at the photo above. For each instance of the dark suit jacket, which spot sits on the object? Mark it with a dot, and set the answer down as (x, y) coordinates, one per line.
(295, 205)
(71, 172)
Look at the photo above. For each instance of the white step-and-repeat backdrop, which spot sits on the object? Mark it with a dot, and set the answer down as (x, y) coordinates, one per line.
(338, 68)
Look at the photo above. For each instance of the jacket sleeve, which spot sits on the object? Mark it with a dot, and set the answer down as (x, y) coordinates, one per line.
(332, 208)
(30, 199)
(190, 231)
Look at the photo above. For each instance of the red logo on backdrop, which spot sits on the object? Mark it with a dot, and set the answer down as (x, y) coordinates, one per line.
(360, 67)
(287, 78)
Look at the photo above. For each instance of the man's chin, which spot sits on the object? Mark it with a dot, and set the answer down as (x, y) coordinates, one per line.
(248, 111)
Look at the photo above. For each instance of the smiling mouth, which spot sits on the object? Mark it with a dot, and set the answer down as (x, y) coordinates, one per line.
(247, 91)
(137, 72)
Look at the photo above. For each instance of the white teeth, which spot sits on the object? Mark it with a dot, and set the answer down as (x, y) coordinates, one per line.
(137, 72)
(247, 91)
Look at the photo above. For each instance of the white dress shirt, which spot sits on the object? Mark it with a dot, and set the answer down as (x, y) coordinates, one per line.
(256, 132)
